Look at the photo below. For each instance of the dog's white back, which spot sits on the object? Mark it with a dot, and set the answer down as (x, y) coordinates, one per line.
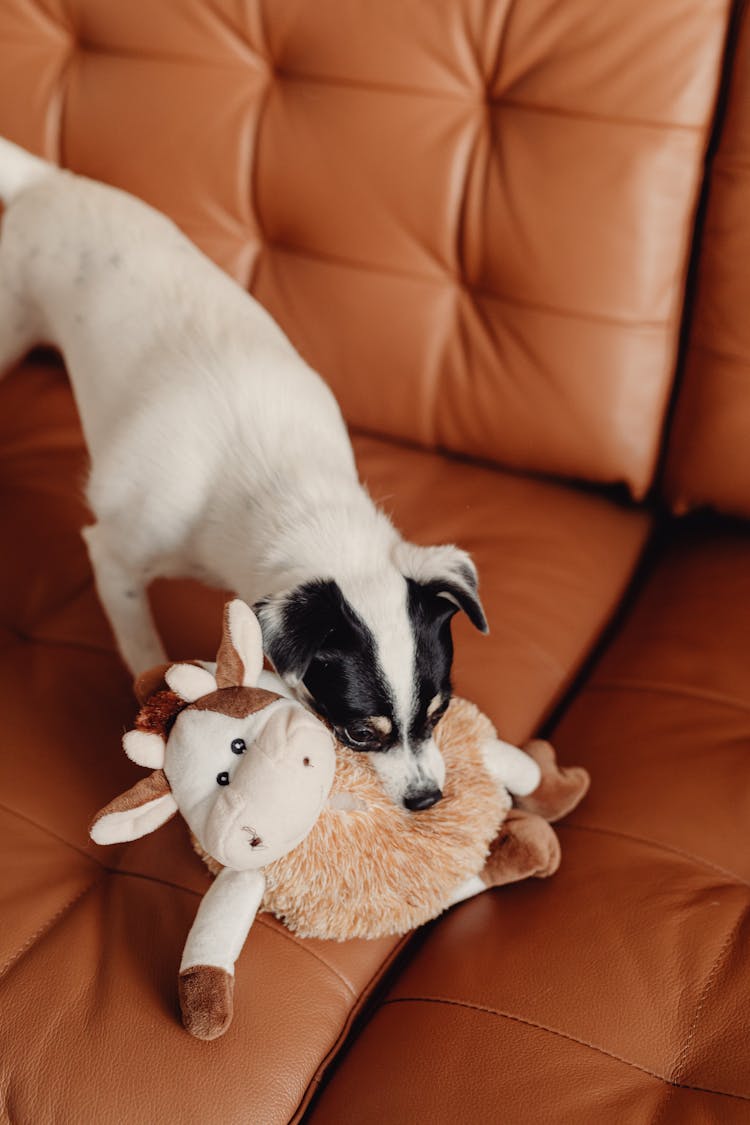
(217, 453)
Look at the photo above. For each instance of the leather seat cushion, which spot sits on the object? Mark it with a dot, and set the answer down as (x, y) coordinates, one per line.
(616, 991)
(91, 937)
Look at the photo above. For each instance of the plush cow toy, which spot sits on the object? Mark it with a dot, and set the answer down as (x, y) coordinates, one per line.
(290, 822)
(250, 772)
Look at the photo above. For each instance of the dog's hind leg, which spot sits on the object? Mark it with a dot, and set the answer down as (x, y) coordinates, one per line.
(18, 328)
(122, 592)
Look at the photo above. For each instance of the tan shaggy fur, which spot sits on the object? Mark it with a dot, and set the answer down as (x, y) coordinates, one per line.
(368, 872)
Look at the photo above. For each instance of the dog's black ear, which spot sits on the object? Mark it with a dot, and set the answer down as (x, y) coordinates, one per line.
(301, 623)
(448, 573)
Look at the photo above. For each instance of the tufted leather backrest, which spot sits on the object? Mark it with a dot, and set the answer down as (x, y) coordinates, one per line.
(473, 218)
(709, 450)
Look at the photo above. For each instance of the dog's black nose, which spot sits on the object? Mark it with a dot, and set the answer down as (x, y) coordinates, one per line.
(421, 801)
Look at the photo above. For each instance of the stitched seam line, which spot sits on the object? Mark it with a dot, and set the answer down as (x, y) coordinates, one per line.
(118, 871)
(666, 688)
(346, 1027)
(46, 927)
(51, 833)
(283, 932)
(444, 277)
(480, 97)
(720, 353)
(562, 1035)
(736, 879)
(51, 642)
(678, 1068)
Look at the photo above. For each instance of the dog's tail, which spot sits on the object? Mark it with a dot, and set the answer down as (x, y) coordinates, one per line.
(19, 170)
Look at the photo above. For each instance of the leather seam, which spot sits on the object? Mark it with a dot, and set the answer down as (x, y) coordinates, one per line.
(679, 1064)
(467, 1005)
(598, 118)
(46, 927)
(736, 879)
(445, 278)
(18, 637)
(726, 163)
(104, 870)
(327, 1062)
(665, 687)
(482, 97)
(284, 932)
(52, 834)
(720, 353)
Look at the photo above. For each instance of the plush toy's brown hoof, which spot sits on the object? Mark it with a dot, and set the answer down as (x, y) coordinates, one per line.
(524, 847)
(206, 1000)
(560, 790)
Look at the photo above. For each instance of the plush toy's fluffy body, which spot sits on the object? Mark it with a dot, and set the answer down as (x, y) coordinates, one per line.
(368, 868)
(291, 823)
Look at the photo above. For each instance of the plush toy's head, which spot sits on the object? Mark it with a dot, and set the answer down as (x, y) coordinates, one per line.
(249, 770)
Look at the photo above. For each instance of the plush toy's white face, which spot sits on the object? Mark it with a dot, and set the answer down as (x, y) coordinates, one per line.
(250, 788)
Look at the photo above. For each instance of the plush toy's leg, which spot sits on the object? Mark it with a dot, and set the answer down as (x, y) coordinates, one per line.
(206, 1000)
(218, 933)
(559, 790)
(525, 846)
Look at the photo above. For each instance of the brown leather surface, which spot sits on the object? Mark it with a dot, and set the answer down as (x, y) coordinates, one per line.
(473, 219)
(709, 452)
(617, 990)
(91, 937)
(553, 563)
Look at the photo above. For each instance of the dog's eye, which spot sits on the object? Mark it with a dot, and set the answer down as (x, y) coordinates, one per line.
(360, 735)
(222, 778)
(238, 746)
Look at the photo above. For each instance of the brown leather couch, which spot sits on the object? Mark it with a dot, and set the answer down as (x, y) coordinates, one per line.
(492, 227)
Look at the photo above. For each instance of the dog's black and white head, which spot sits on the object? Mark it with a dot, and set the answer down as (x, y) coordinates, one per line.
(372, 655)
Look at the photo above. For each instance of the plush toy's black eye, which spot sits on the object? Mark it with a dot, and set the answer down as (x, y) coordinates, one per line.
(223, 778)
(238, 746)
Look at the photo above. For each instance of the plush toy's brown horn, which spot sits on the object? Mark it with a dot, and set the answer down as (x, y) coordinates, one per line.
(239, 660)
(148, 683)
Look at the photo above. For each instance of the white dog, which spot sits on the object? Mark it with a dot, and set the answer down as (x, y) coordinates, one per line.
(217, 453)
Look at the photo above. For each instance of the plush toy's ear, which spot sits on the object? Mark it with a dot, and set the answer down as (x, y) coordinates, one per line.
(190, 682)
(145, 748)
(446, 574)
(145, 807)
(239, 661)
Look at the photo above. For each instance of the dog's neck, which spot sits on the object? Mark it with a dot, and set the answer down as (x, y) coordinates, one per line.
(323, 527)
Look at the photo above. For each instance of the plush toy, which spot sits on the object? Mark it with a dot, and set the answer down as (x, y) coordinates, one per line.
(290, 821)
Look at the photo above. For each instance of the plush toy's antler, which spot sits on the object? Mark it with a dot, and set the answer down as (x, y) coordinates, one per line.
(239, 661)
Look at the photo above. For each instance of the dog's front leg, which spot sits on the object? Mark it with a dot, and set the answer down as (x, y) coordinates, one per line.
(122, 593)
